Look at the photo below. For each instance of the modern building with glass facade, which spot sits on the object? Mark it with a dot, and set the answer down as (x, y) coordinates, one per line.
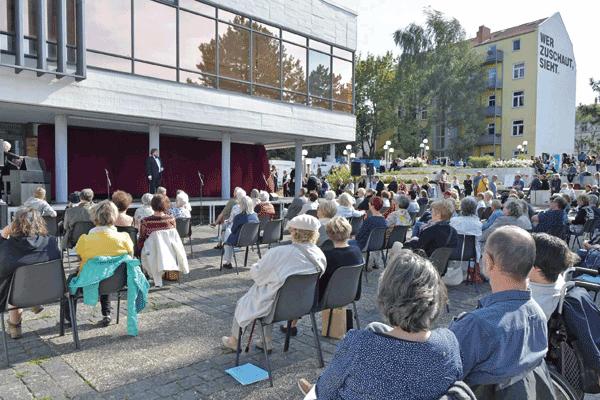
(530, 96)
(92, 85)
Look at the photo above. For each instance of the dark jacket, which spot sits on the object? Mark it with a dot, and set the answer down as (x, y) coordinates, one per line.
(16, 251)
(433, 237)
(393, 186)
(536, 184)
(238, 221)
(380, 187)
(152, 167)
(364, 205)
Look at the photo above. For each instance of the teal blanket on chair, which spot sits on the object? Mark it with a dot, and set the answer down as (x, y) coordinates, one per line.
(97, 269)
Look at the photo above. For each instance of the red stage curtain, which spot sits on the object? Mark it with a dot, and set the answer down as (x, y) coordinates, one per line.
(124, 153)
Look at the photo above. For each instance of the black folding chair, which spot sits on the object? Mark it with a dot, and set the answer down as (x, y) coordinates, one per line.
(375, 242)
(440, 257)
(342, 289)
(588, 229)
(466, 250)
(398, 234)
(295, 299)
(79, 229)
(51, 225)
(184, 229)
(131, 231)
(247, 237)
(117, 283)
(38, 284)
(312, 213)
(356, 223)
(271, 232)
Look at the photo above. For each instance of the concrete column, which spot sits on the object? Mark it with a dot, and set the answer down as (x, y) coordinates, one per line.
(226, 166)
(153, 136)
(332, 152)
(299, 168)
(61, 173)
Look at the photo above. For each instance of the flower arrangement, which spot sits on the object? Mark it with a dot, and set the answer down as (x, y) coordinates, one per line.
(414, 162)
(512, 163)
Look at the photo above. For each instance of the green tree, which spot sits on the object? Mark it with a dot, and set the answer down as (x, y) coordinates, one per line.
(591, 112)
(374, 100)
(439, 73)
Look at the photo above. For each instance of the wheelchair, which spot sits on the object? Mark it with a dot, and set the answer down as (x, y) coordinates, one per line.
(572, 378)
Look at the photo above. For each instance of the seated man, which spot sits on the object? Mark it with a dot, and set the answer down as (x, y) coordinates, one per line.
(506, 337)
(553, 219)
(552, 258)
(77, 214)
(297, 204)
(496, 208)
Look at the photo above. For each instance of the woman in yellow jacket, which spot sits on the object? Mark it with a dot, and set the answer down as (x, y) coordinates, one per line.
(484, 185)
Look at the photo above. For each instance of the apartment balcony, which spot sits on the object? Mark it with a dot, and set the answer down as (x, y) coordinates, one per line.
(494, 83)
(494, 56)
(487, 139)
(492, 111)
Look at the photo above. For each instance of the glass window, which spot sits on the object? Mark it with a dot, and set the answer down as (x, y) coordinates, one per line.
(518, 128)
(260, 91)
(30, 11)
(319, 103)
(264, 28)
(519, 71)
(516, 44)
(342, 80)
(155, 71)
(518, 99)
(491, 128)
(233, 18)
(266, 66)
(197, 49)
(294, 98)
(343, 107)
(71, 27)
(155, 32)
(319, 76)
(198, 7)
(7, 12)
(108, 26)
(197, 79)
(233, 86)
(108, 62)
(294, 68)
(320, 46)
(234, 52)
(342, 53)
(292, 37)
(492, 101)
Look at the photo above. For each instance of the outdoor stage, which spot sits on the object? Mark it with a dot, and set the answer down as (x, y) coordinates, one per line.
(211, 204)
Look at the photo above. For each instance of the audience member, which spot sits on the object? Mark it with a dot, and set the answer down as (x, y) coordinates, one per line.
(400, 217)
(496, 207)
(423, 199)
(375, 220)
(270, 273)
(161, 190)
(512, 212)
(80, 213)
(25, 241)
(438, 232)
(245, 216)
(546, 280)
(182, 208)
(506, 337)
(468, 185)
(404, 359)
(297, 204)
(552, 220)
(326, 211)
(468, 222)
(226, 213)
(345, 209)
(122, 200)
(264, 208)
(254, 196)
(364, 205)
(584, 214)
(312, 203)
(160, 220)
(360, 195)
(413, 205)
(144, 211)
(38, 202)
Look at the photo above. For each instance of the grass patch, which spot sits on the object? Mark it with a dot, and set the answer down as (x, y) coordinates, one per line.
(37, 361)
(21, 374)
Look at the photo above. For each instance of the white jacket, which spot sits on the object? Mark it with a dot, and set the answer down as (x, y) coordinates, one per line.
(164, 251)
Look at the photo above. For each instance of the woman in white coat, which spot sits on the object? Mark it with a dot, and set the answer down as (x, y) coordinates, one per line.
(269, 274)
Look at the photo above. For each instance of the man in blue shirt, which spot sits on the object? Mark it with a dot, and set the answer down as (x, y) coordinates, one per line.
(506, 337)
(496, 212)
(553, 220)
(518, 184)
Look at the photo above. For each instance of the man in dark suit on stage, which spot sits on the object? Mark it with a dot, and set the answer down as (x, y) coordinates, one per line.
(154, 170)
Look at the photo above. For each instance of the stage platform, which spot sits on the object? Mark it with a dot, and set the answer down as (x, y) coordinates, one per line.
(199, 207)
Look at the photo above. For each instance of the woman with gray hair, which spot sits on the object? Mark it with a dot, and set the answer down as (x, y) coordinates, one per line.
(327, 210)
(345, 207)
(468, 223)
(264, 208)
(407, 360)
(144, 211)
(513, 210)
(246, 215)
(400, 217)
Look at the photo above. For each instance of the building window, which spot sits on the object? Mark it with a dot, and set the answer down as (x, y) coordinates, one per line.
(491, 128)
(519, 71)
(492, 100)
(518, 99)
(516, 44)
(319, 77)
(518, 127)
(423, 113)
(155, 32)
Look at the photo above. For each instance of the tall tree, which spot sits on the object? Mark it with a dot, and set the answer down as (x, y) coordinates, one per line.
(439, 74)
(374, 100)
(592, 111)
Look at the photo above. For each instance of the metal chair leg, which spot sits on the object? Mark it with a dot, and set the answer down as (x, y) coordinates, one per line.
(329, 322)
(223, 253)
(61, 319)
(317, 342)
(246, 258)
(367, 266)
(237, 270)
(356, 315)
(247, 349)
(73, 314)
(258, 250)
(119, 306)
(239, 348)
(264, 343)
(286, 346)
(4, 340)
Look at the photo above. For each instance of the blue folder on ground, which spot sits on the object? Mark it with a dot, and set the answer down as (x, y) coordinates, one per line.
(248, 374)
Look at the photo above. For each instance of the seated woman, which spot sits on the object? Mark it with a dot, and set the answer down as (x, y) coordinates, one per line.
(25, 241)
(122, 200)
(438, 233)
(144, 211)
(182, 208)
(468, 223)
(389, 203)
(345, 207)
(158, 221)
(407, 360)
(265, 208)
(311, 204)
(376, 220)
(269, 274)
(400, 217)
(103, 240)
(38, 202)
(584, 213)
(327, 210)
(246, 215)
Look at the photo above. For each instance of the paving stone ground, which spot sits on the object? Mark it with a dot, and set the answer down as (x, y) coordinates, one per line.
(177, 354)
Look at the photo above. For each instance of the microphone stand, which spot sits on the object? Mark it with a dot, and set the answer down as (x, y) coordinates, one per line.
(108, 184)
(201, 195)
